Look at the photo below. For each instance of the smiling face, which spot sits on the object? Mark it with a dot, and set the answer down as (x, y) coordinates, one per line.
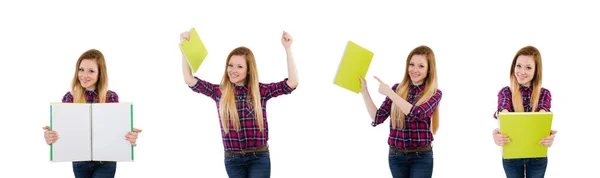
(417, 69)
(88, 74)
(524, 69)
(237, 69)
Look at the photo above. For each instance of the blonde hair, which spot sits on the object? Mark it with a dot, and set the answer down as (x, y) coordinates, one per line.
(431, 87)
(228, 109)
(536, 81)
(77, 90)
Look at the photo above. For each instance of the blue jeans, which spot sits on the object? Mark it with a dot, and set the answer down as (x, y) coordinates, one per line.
(94, 169)
(411, 165)
(250, 165)
(525, 167)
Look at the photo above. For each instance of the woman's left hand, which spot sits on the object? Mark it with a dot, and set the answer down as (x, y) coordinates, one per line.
(548, 140)
(132, 136)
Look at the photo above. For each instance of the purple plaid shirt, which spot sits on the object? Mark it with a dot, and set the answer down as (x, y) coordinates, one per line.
(416, 132)
(505, 100)
(249, 136)
(92, 97)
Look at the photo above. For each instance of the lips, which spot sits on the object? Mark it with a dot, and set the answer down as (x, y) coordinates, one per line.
(233, 76)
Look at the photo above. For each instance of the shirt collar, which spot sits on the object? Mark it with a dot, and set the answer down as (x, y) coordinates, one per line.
(91, 92)
(524, 88)
(416, 87)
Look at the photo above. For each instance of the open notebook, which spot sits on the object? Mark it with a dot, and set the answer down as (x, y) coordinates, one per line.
(194, 50)
(91, 131)
(525, 131)
(355, 62)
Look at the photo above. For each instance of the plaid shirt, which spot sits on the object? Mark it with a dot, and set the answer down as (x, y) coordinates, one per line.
(505, 100)
(416, 132)
(92, 97)
(249, 136)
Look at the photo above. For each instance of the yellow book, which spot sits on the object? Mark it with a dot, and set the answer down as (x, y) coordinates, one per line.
(194, 50)
(525, 130)
(355, 62)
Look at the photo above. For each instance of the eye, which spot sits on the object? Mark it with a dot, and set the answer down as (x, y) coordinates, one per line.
(229, 65)
(529, 68)
(421, 66)
(80, 70)
(92, 71)
(412, 65)
(519, 65)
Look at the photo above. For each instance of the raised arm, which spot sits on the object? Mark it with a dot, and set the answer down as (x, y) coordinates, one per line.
(385, 89)
(187, 72)
(367, 99)
(287, 40)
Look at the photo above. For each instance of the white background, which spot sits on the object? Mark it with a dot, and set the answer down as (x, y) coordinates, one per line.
(320, 130)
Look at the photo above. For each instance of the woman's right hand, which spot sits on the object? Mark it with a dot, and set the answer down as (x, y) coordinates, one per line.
(50, 136)
(500, 139)
(363, 84)
(184, 36)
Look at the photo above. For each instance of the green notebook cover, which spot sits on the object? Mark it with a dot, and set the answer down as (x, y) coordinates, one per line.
(355, 62)
(525, 130)
(194, 50)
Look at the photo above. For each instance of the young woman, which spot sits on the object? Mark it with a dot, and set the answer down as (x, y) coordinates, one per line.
(241, 104)
(413, 108)
(525, 94)
(90, 85)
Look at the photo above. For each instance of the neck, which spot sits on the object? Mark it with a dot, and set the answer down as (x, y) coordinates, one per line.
(417, 83)
(92, 88)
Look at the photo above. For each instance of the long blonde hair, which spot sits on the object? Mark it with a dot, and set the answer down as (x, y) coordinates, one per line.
(536, 81)
(431, 87)
(77, 90)
(227, 106)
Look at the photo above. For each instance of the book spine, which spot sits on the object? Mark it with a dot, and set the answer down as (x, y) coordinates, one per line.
(91, 136)
(51, 156)
(131, 117)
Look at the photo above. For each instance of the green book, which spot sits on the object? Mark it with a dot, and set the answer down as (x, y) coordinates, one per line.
(194, 50)
(91, 131)
(355, 62)
(525, 130)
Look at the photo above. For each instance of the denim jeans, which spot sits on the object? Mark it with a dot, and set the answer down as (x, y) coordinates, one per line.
(250, 165)
(411, 165)
(94, 169)
(525, 167)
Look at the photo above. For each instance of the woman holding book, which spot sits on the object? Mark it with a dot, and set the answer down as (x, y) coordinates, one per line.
(241, 103)
(525, 94)
(413, 108)
(90, 85)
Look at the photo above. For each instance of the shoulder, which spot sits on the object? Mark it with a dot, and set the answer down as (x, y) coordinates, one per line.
(438, 92)
(395, 86)
(111, 93)
(505, 89)
(68, 94)
(68, 97)
(545, 92)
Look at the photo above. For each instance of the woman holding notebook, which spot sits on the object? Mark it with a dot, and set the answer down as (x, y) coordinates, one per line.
(90, 85)
(241, 103)
(525, 94)
(413, 108)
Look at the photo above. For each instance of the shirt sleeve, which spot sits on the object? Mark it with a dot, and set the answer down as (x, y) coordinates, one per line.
(206, 88)
(112, 97)
(545, 100)
(504, 101)
(384, 110)
(425, 110)
(272, 90)
(67, 98)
